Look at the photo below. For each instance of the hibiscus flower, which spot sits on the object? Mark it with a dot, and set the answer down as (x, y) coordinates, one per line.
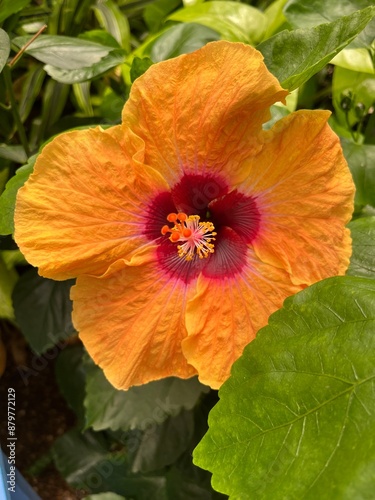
(187, 225)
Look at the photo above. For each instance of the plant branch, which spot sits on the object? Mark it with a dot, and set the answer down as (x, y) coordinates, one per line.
(22, 50)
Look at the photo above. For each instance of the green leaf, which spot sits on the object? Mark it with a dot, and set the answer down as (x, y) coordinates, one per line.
(8, 279)
(4, 48)
(109, 408)
(8, 197)
(113, 59)
(361, 161)
(9, 7)
(86, 463)
(43, 310)
(13, 153)
(113, 20)
(72, 60)
(139, 66)
(308, 13)
(163, 444)
(362, 262)
(180, 39)
(64, 52)
(296, 417)
(294, 56)
(236, 22)
(70, 376)
(156, 12)
(31, 90)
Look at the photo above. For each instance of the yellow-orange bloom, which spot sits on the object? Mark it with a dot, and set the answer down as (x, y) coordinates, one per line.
(188, 225)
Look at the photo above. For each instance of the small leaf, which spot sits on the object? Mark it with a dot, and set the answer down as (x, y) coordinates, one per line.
(139, 66)
(9, 7)
(362, 262)
(13, 153)
(294, 56)
(180, 39)
(8, 197)
(295, 418)
(236, 22)
(4, 48)
(109, 408)
(361, 161)
(43, 310)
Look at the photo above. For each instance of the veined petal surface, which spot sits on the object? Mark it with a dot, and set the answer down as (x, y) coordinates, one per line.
(200, 113)
(226, 314)
(83, 208)
(132, 322)
(304, 193)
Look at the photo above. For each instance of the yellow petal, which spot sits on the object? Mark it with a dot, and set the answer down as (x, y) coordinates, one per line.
(225, 315)
(304, 193)
(84, 206)
(132, 322)
(199, 113)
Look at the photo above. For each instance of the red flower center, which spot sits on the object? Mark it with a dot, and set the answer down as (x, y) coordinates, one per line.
(209, 228)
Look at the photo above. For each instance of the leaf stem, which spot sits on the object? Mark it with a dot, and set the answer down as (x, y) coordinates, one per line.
(14, 108)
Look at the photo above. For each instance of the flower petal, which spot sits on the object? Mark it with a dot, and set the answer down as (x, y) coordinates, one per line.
(226, 314)
(199, 113)
(85, 205)
(304, 193)
(131, 320)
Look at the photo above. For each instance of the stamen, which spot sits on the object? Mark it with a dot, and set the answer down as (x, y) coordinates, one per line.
(195, 236)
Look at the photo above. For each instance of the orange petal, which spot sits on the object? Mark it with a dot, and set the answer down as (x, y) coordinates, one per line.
(132, 322)
(200, 112)
(304, 193)
(225, 316)
(83, 207)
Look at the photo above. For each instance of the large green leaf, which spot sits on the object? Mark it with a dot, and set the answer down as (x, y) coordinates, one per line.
(9, 7)
(109, 408)
(296, 419)
(361, 161)
(4, 48)
(72, 60)
(236, 22)
(43, 310)
(156, 12)
(8, 197)
(180, 39)
(362, 262)
(294, 56)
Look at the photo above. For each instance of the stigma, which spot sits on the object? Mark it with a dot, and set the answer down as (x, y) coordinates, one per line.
(194, 237)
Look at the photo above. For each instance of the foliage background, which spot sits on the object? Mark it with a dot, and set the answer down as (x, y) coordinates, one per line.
(138, 444)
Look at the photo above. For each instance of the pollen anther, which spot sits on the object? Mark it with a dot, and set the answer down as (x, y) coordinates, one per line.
(195, 237)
